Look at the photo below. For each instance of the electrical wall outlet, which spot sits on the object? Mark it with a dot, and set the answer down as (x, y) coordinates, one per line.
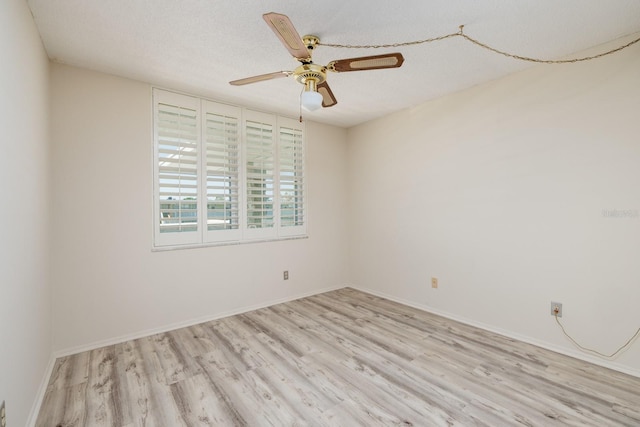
(434, 282)
(556, 307)
(285, 275)
(3, 416)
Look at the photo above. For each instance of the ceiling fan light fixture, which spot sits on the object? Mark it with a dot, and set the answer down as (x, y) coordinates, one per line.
(311, 100)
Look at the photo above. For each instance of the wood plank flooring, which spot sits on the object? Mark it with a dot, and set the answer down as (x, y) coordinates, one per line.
(342, 358)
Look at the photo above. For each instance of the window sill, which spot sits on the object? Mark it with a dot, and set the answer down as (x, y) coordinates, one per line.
(231, 243)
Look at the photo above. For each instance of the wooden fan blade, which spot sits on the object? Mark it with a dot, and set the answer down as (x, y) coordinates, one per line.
(286, 32)
(390, 60)
(260, 78)
(328, 100)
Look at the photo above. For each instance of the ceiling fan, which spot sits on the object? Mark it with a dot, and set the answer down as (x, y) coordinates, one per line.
(314, 77)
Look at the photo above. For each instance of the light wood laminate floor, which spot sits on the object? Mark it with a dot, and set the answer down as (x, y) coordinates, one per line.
(342, 358)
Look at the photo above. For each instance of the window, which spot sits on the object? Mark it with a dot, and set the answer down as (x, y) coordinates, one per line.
(224, 174)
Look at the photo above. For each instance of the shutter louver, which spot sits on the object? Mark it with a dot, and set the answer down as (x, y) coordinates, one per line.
(222, 166)
(259, 174)
(177, 151)
(291, 178)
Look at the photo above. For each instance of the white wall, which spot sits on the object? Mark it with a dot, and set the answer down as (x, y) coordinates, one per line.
(499, 192)
(25, 309)
(107, 282)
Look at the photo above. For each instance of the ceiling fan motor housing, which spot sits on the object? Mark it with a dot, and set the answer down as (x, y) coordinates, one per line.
(310, 72)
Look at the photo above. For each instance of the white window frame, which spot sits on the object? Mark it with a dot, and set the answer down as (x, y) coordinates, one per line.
(242, 234)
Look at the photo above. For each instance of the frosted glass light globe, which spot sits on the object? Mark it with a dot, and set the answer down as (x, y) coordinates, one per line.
(311, 100)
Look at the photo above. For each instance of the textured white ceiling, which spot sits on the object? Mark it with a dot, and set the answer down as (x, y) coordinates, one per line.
(198, 46)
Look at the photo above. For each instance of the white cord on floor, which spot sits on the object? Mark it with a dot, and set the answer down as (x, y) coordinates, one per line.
(624, 346)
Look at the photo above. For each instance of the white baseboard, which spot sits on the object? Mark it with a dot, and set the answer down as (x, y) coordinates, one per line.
(542, 344)
(186, 323)
(37, 403)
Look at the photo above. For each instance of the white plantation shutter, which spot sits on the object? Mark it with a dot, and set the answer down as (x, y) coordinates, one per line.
(291, 182)
(224, 174)
(260, 174)
(222, 146)
(177, 134)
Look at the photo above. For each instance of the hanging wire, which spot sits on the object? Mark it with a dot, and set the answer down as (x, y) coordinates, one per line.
(461, 33)
(545, 61)
(609, 356)
(380, 46)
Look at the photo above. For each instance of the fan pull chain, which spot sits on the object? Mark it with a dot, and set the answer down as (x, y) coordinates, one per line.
(300, 104)
(461, 33)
